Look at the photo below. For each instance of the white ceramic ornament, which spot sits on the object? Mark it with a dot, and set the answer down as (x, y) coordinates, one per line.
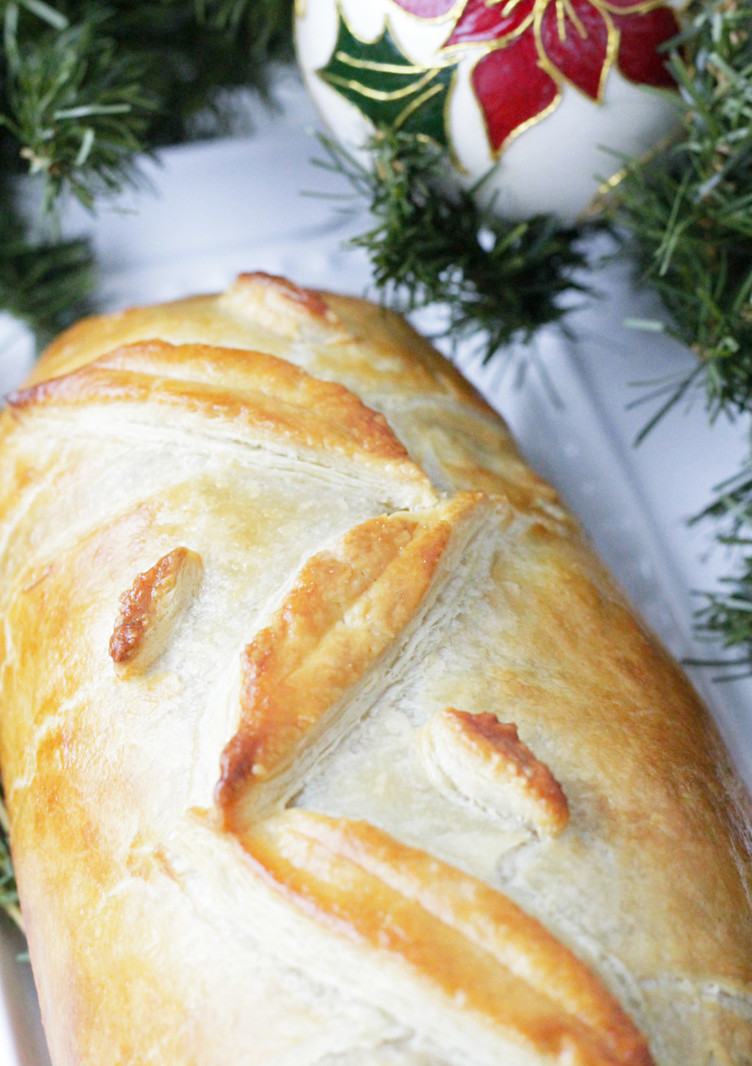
(543, 98)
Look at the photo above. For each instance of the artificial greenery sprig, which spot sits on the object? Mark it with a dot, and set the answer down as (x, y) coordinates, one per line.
(85, 90)
(8, 888)
(431, 243)
(725, 614)
(687, 213)
(686, 217)
(45, 281)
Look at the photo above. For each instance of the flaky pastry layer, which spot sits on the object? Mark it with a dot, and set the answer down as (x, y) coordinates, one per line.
(326, 739)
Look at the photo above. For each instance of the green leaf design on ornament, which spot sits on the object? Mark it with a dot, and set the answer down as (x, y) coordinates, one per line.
(387, 87)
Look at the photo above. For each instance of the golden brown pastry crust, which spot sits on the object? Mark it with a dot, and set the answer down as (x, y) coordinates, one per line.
(326, 738)
(484, 758)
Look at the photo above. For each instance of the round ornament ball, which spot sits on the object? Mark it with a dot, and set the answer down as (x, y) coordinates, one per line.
(542, 99)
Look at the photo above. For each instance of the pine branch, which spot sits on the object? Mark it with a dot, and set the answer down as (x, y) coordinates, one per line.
(85, 91)
(45, 282)
(688, 212)
(8, 890)
(431, 243)
(76, 109)
(88, 89)
(725, 616)
(688, 219)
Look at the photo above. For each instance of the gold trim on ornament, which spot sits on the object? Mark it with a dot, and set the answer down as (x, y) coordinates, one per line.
(387, 27)
(640, 7)
(451, 15)
(609, 184)
(369, 64)
(497, 153)
(497, 42)
(393, 94)
(408, 111)
(429, 73)
(451, 148)
(612, 45)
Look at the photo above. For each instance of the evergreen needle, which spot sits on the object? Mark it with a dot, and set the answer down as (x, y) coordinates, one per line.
(687, 219)
(8, 889)
(432, 244)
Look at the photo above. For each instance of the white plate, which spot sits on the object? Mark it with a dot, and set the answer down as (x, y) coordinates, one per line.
(211, 211)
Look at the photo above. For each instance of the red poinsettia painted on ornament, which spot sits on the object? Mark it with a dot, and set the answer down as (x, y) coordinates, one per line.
(531, 48)
(471, 75)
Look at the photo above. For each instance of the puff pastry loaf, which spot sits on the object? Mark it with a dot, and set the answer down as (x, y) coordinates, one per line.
(326, 739)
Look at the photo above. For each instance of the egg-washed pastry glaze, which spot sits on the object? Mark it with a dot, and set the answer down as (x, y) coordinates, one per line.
(326, 738)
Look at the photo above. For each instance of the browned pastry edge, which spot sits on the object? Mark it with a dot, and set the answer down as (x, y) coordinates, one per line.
(470, 941)
(618, 756)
